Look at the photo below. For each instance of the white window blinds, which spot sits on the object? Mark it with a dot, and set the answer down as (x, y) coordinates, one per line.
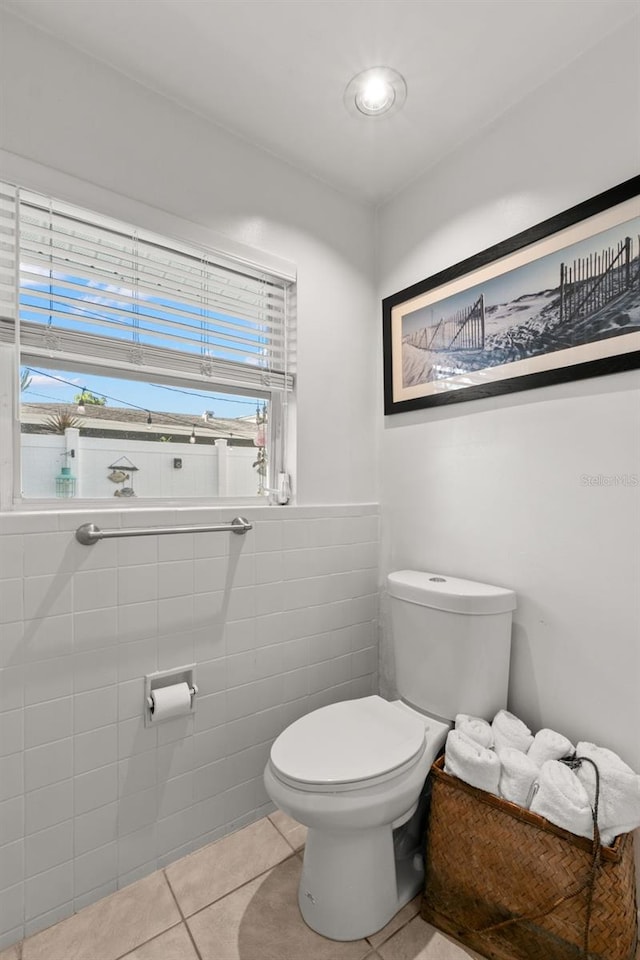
(8, 253)
(147, 304)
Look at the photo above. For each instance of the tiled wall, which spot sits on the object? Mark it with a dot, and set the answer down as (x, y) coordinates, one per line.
(278, 622)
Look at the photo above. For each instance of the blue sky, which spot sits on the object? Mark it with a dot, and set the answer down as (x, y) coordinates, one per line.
(81, 303)
(132, 393)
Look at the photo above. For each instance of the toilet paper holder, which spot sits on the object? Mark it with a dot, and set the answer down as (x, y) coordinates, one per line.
(168, 678)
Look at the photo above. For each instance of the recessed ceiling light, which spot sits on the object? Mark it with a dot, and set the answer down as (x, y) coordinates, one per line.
(375, 92)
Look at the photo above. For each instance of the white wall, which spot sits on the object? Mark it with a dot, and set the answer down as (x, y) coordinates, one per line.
(73, 114)
(491, 489)
(277, 622)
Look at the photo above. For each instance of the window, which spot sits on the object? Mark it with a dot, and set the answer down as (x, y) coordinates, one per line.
(147, 367)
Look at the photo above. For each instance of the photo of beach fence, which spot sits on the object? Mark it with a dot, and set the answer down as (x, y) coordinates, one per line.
(580, 294)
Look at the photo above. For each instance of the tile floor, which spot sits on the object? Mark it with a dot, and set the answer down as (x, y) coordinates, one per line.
(232, 900)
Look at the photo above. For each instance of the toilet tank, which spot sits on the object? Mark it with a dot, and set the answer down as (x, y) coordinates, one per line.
(451, 643)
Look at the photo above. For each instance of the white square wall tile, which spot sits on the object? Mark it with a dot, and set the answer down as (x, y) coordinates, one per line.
(94, 669)
(11, 557)
(137, 550)
(137, 810)
(11, 644)
(86, 899)
(175, 579)
(212, 675)
(48, 891)
(172, 833)
(136, 849)
(11, 908)
(95, 748)
(137, 584)
(95, 828)
(11, 820)
(46, 553)
(47, 596)
(174, 759)
(11, 732)
(131, 698)
(11, 600)
(177, 547)
(210, 574)
(206, 545)
(49, 918)
(95, 628)
(11, 776)
(138, 773)
(95, 789)
(137, 621)
(47, 637)
(210, 711)
(269, 598)
(268, 536)
(45, 722)
(134, 737)
(95, 708)
(48, 764)
(48, 806)
(269, 567)
(175, 615)
(136, 659)
(95, 588)
(241, 570)
(176, 794)
(95, 868)
(49, 848)
(48, 680)
(11, 688)
(174, 650)
(11, 864)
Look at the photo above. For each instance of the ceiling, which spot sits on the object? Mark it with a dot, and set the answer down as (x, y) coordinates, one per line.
(274, 71)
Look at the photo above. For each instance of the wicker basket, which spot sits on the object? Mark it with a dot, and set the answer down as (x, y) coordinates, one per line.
(489, 861)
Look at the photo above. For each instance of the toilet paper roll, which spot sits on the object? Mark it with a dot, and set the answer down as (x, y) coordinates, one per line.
(172, 701)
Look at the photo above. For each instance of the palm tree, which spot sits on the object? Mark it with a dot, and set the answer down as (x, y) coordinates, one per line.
(61, 421)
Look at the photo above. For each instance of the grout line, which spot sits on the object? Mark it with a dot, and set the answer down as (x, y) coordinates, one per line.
(195, 945)
(154, 937)
(184, 919)
(288, 842)
(239, 887)
(164, 873)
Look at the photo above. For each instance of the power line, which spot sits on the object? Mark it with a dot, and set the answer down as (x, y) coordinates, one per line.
(126, 403)
(203, 396)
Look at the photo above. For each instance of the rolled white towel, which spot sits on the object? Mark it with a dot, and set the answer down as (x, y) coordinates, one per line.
(475, 728)
(517, 776)
(619, 802)
(471, 762)
(549, 745)
(509, 731)
(562, 799)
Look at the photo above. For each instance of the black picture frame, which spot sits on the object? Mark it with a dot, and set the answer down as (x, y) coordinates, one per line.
(477, 330)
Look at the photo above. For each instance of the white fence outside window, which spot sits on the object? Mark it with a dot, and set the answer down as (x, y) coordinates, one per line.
(206, 471)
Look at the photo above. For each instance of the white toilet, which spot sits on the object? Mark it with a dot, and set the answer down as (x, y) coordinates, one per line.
(354, 772)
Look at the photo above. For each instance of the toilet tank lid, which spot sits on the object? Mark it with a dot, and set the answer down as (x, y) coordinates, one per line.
(452, 594)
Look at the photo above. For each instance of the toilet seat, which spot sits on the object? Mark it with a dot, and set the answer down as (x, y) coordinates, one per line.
(348, 745)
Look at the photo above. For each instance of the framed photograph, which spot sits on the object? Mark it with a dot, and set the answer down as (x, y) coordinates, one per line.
(557, 302)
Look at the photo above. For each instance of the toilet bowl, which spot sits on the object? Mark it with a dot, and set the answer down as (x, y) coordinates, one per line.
(353, 772)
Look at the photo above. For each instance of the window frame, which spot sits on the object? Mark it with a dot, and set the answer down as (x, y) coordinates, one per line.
(12, 357)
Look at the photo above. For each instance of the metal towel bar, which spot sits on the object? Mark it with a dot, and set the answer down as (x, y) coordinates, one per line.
(89, 533)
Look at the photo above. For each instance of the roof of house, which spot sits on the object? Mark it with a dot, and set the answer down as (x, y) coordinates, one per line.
(120, 419)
